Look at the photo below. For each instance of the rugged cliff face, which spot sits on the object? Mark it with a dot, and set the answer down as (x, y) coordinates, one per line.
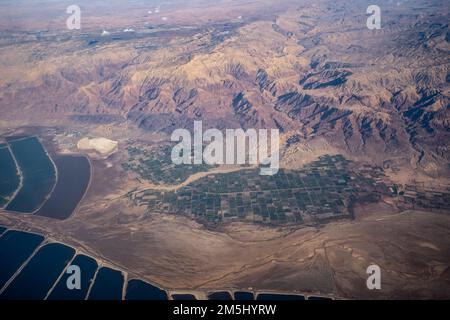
(312, 70)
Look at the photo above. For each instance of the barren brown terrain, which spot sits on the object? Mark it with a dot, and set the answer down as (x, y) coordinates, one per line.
(311, 69)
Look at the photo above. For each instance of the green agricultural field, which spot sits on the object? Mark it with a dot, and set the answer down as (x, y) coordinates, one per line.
(155, 165)
(321, 191)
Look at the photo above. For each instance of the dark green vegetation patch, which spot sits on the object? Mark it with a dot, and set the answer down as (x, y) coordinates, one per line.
(321, 191)
(155, 165)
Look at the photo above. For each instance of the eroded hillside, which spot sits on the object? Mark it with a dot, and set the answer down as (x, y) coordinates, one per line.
(315, 71)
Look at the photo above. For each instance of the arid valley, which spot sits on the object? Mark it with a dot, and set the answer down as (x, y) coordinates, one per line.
(364, 122)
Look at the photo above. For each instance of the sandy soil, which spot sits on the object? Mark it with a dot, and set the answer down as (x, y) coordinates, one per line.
(410, 247)
(103, 146)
